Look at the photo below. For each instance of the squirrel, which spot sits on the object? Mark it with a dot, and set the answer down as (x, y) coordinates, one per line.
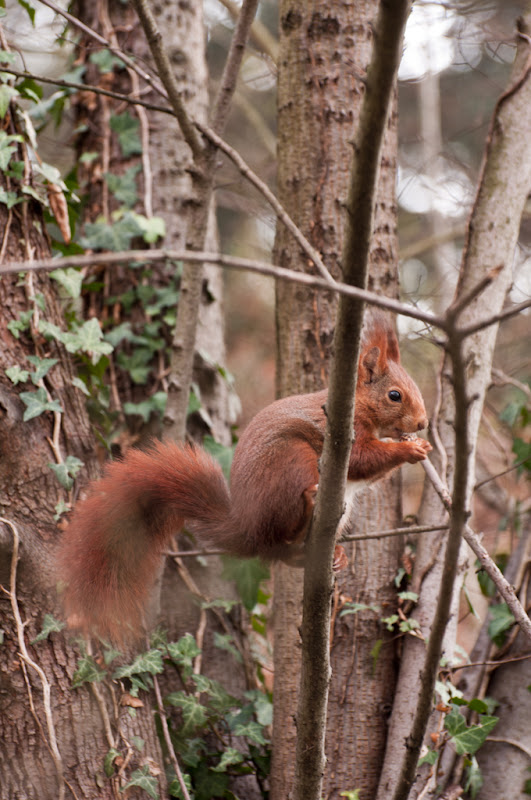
(114, 543)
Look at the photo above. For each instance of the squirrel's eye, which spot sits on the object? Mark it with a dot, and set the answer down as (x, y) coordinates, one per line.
(395, 396)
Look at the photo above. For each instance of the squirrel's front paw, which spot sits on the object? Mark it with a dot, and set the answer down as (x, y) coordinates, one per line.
(418, 450)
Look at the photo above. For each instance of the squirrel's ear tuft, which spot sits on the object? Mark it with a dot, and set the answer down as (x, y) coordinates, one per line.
(393, 350)
(369, 362)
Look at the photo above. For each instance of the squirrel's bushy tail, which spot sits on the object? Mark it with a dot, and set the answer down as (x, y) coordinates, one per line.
(112, 547)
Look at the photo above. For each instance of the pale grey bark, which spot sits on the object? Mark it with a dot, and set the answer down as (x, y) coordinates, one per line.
(491, 240)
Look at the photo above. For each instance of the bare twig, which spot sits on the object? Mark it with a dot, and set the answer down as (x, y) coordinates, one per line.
(232, 65)
(230, 262)
(218, 142)
(502, 379)
(259, 33)
(104, 43)
(504, 588)
(167, 77)
(167, 739)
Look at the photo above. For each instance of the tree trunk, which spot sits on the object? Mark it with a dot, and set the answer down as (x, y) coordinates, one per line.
(71, 724)
(324, 53)
(491, 240)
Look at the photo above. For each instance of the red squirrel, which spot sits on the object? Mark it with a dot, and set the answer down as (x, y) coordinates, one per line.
(114, 543)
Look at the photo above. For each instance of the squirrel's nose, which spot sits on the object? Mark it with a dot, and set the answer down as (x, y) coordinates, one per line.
(422, 424)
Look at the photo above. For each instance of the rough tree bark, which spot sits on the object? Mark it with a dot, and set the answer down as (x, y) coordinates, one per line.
(324, 53)
(29, 493)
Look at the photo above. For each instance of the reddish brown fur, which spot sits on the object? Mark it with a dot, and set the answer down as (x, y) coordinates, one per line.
(114, 543)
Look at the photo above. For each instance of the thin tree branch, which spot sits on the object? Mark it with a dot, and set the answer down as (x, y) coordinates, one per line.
(232, 65)
(104, 43)
(87, 87)
(229, 262)
(318, 579)
(271, 198)
(259, 33)
(506, 591)
(167, 739)
(430, 242)
(165, 72)
(407, 531)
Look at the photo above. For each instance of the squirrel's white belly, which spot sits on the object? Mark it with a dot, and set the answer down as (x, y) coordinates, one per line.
(351, 490)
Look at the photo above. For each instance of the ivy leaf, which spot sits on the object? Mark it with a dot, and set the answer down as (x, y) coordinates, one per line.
(262, 705)
(9, 199)
(184, 651)
(474, 778)
(105, 60)
(228, 758)
(137, 364)
(247, 575)
(17, 375)
(224, 642)
(6, 57)
(126, 127)
(30, 89)
(145, 781)
(37, 403)
(123, 187)
(81, 385)
(522, 450)
(7, 150)
(251, 730)
(174, 787)
(355, 608)
(154, 405)
(413, 596)
(219, 699)
(194, 714)
(468, 740)
(501, 621)
(89, 339)
(429, 758)
(70, 279)
(7, 93)
(49, 625)
(153, 228)
(87, 672)
(42, 367)
(66, 471)
(150, 662)
(108, 764)
(116, 236)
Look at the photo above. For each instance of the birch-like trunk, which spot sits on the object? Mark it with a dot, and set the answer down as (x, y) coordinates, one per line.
(491, 240)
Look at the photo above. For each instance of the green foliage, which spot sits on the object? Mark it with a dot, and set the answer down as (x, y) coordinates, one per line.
(198, 708)
(66, 471)
(87, 672)
(354, 608)
(501, 621)
(70, 279)
(468, 739)
(126, 127)
(37, 403)
(247, 575)
(145, 781)
(105, 60)
(49, 625)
